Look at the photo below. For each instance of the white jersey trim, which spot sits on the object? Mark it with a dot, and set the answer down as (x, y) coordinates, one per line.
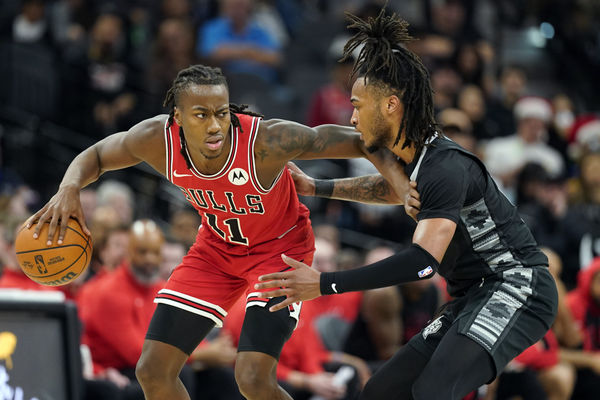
(252, 162)
(193, 299)
(168, 151)
(415, 173)
(191, 309)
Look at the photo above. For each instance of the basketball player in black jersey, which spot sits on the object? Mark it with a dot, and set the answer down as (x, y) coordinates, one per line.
(467, 231)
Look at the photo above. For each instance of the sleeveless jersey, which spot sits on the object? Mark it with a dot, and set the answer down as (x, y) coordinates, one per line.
(234, 207)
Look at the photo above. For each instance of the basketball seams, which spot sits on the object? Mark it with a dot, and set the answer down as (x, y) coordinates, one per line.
(87, 239)
(62, 270)
(66, 252)
(51, 248)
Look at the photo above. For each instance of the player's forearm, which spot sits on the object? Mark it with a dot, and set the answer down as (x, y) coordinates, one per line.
(83, 170)
(370, 189)
(411, 264)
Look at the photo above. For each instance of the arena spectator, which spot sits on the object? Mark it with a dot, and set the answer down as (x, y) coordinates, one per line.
(513, 81)
(377, 332)
(183, 226)
(173, 50)
(330, 104)
(119, 196)
(582, 223)
(129, 293)
(239, 45)
(584, 303)
(471, 100)
(457, 126)
(172, 255)
(506, 156)
(31, 26)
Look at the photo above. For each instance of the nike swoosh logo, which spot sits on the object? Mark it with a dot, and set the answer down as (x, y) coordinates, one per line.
(333, 285)
(176, 175)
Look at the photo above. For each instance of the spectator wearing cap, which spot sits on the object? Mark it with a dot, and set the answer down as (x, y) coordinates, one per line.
(584, 135)
(506, 156)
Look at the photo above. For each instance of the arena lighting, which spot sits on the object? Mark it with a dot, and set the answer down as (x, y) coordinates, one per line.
(535, 37)
(547, 30)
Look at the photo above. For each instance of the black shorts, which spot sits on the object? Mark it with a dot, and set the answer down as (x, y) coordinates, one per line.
(263, 331)
(505, 314)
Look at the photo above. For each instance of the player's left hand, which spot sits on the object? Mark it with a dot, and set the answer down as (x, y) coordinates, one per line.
(305, 185)
(412, 201)
(301, 283)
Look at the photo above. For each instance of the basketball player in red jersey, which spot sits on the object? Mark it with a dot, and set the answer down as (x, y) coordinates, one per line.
(231, 166)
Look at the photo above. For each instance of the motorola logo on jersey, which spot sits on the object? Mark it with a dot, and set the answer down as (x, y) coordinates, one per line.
(238, 176)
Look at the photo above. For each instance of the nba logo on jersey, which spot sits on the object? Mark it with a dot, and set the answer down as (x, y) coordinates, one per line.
(238, 176)
(425, 272)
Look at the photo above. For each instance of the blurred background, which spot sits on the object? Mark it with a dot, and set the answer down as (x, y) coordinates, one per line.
(515, 82)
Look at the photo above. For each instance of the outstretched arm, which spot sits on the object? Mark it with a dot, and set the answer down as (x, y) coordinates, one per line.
(370, 189)
(391, 187)
(117, 151)
(419, 261)
(444, 191)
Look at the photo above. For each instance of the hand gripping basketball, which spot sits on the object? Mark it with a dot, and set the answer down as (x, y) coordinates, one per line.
(56, 264)
(63, 205)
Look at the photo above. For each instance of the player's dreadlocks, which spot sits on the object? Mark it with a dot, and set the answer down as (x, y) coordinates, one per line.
(199, 75)
(385, 63)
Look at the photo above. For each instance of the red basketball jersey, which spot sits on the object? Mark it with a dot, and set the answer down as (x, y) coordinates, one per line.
(234, 206)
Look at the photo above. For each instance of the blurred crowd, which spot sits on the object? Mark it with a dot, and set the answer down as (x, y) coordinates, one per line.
(513, 83)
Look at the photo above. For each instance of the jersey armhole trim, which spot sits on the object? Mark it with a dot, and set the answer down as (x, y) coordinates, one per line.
(252, 162)
(169, 151)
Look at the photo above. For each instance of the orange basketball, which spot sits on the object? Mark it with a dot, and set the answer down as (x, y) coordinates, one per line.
(53, 265)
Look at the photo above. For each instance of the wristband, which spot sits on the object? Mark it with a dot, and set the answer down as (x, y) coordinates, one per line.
(323, 187)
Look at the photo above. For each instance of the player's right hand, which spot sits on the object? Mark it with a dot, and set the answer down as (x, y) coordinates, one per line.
(63, 205)
(305, 185)
(322, 384)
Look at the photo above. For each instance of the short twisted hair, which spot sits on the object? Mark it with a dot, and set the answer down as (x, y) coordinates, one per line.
(199, 75)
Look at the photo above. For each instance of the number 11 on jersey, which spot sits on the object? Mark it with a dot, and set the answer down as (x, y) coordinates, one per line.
(233, 226)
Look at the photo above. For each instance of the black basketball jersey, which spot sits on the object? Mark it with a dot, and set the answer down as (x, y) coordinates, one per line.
(490, 236)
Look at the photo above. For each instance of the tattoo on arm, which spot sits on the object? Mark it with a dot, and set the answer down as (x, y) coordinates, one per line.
(262, 154)
(289, 139)
(373, 189)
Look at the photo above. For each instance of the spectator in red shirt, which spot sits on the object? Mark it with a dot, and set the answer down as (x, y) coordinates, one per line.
(330, 104)
(300, 370)
(584, 302)
(330, 316)
(116, 314)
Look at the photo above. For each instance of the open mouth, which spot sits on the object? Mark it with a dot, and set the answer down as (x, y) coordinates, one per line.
(215, 142)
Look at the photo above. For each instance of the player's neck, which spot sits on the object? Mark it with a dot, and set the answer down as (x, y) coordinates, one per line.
(406, 154)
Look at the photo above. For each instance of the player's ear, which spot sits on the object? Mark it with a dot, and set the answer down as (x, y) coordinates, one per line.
(393, 104)
(177, 115)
